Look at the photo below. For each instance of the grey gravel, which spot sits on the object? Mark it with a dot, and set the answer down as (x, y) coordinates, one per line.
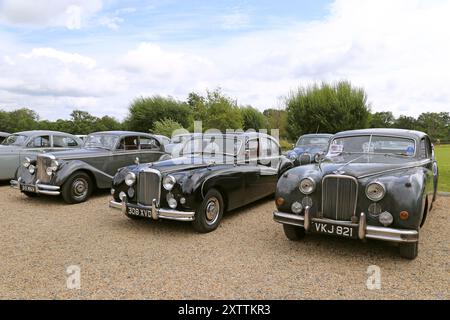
(247, 257)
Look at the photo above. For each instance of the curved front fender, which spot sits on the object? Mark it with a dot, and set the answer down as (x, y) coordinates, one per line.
(102, 180)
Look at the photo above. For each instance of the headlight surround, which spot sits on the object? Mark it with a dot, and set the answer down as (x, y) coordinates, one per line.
(130, 179)
(375, 191)
(26, 163)
(169, 182)
(307, 186)
(53, 167)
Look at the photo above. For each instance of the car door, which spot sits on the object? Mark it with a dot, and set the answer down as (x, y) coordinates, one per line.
(150, 149)
(268, 164)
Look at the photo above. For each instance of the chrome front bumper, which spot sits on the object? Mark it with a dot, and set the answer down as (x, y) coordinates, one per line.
(39, 188)
(364, 231)
(157, 213)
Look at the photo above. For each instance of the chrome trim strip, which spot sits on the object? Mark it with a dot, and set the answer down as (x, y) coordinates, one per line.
(371, 232)
(110, 154)
(362, 226)
(307, 219)
(159, 213)
(416, 165)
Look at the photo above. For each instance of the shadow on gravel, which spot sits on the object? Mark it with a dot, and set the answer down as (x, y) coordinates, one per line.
(58, 200)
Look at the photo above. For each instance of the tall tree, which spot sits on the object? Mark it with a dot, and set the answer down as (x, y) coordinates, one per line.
(253, 119)
(277, 119)
(144, 112)
(405, 122)
(327, 108)
(383, 119)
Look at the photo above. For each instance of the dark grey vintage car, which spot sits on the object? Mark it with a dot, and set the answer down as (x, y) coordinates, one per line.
(74, 174)
(372, 184)
(216, 173)
(16, 147)
(309, 148)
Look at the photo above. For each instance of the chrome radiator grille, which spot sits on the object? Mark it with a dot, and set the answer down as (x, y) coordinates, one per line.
(42, 163)
(149, 187)
(339, 197)
(305, 159)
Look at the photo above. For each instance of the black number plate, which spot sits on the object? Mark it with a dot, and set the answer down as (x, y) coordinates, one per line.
(333, 229)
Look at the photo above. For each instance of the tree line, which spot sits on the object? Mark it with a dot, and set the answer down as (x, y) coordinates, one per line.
(321, 107)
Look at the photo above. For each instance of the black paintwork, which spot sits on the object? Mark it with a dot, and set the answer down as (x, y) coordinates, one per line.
(239, 182)
(410, 182)
(100, 163)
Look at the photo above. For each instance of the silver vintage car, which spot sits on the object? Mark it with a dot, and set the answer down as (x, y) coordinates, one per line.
(16, 147)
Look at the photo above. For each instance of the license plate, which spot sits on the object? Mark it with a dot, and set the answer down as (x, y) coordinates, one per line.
(139, 212)
(28, 188)
(332, 229)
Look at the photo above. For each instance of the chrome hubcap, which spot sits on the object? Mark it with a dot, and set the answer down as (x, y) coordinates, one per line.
(80, 188)
(212, 210)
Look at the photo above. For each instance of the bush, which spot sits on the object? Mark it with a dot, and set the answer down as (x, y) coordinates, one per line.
(166, 127)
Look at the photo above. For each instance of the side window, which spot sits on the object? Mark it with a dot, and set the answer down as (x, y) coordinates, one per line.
(149, 143)
(129, 143)
(252, 146)
(265, 147)
(39, 142)
(423, 149)
(64, 142)
(275, 149)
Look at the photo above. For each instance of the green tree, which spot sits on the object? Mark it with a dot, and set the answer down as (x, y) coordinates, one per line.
(277, 119)
(382, 120)
(405, 122)
(216, 110)
(107, 123)
(166, 127)
(435, 124)
(18, 120)
(253, 119)
(327, 108)
(144, 112)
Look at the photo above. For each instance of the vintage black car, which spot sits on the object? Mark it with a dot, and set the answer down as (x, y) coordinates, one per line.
(372, 184)
(216, 173)
(309, 148)
(74, 174)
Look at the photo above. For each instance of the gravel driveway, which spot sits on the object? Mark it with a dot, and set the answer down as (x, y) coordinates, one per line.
(247, 257)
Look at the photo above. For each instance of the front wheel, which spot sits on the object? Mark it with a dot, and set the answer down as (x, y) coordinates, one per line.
(78, 188)
(210, 212)
(409, 250)
(293, 233)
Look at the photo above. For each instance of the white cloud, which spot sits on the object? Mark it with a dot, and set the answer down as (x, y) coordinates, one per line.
(397, 50)
(45, 13)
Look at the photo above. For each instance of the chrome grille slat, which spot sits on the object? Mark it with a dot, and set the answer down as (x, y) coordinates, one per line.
(42, 163)
(339, 197)
(149, 183)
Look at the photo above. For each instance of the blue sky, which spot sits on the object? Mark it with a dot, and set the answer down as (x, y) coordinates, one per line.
(98, 55)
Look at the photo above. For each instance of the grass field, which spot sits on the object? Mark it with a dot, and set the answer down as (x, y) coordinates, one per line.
(443, 158)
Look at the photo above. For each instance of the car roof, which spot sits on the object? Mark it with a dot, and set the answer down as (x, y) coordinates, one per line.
(4, 134)
(124, 133)
(49, 132)
(413, 134)
(321, 135)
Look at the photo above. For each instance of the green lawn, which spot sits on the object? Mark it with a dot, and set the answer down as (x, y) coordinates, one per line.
(443, 158)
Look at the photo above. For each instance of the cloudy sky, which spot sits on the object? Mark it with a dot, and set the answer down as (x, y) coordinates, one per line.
(97, 55)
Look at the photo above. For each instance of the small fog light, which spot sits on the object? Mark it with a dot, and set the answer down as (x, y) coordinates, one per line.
(172, 203)
(122, 196)
(131, 192)
(297, 207)
(183, 200)
(279, 201)
(375, 209)
(113, 191)
(404, 215)
(386, 219)
(31, 169)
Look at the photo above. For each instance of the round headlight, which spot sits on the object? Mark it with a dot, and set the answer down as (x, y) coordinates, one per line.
(49, 171)
(375, 191)
(130, 179)
(26, 163)
(169, 182)
(172, 202)
(297, 207)
(31, 169)
(307, 186)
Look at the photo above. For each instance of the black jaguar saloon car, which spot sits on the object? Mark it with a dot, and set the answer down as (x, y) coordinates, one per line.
(215, 173)
(372, 184)
(74, 174)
